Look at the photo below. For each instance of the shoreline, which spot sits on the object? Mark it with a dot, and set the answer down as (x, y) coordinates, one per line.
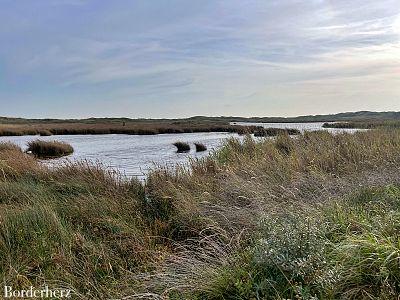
(103, 130)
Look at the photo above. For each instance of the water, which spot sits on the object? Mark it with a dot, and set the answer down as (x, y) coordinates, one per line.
(135, 155)
(300, 126)
(132, 155)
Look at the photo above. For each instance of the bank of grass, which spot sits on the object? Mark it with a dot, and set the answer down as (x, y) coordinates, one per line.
(373, 124)
(345, 249)
(263, 132)
(8, 146)
(312, 216)
(131, 128)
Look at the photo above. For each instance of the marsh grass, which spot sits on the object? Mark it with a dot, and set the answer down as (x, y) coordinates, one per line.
(200, 147)
(182, 147)
(265, 132)
(314, 216)
(49, 149)
(345, 249)
(132, 128)
(45, 132)
(8, 146)
(364, 124)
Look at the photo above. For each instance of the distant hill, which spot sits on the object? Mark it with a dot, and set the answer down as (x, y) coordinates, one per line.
(347, 116)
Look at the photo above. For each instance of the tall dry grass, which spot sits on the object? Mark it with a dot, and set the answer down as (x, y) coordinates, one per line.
(287, 179)
(146, 128)
(311, 216)
(49, 149)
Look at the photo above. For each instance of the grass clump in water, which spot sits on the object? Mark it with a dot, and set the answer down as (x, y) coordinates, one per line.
(49, 149)
(45, 132)
(182, 147)
(265, 132)
(200, 147)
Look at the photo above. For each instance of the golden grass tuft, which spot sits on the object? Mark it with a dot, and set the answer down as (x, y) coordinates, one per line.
(9, 146)
(49, 149)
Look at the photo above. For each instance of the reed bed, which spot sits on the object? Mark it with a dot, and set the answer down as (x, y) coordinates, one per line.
(310, 217)
(132, 129)
(8, 146)
(263, 132)
(49, 149)
(364, 124)
(200, 147)
(182, 147)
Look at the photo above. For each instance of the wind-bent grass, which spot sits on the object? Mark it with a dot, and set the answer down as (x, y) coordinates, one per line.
(6, 146)
(49, 149)
(311, 216)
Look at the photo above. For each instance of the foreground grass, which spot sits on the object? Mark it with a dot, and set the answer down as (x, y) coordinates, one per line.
(347, 249)
(309, 217)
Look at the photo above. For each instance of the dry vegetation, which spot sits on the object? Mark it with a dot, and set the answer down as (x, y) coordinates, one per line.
(372, 124)
(200, 147)
(310, 217)
(133, 128)
(49, 149)
(5, 146)
(182, 147)
(275, 131)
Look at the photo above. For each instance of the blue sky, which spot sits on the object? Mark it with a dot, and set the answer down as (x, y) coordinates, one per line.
(177, 58)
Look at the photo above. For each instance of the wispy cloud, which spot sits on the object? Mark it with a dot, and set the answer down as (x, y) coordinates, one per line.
(216, 57)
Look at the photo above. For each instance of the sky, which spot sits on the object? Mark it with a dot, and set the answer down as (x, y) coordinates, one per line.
(179, 58)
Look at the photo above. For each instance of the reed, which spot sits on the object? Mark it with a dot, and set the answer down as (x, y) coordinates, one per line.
(364, 124)
(149, 128)
(7, 146)
(314, 216)
(45, 133)
(49, 149)
(275, 131)
(182, 147)
(200, 147)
